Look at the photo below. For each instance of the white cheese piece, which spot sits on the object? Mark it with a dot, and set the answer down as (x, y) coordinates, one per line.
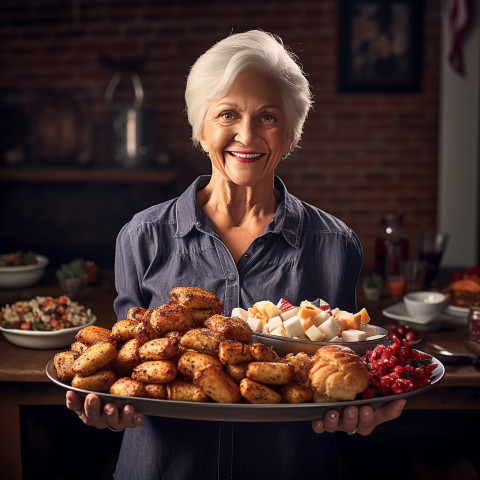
(255, 324)
(330, 328)
(353, 335)
(265, 328)
(319, 318)
(280, 332)
(288, 314)
(274, 323)
(314, 334)
(336, 339)
(293, 327)
(370, 330)
(240, 313)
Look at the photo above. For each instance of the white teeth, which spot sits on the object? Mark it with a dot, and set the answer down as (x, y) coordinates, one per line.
(247, 155)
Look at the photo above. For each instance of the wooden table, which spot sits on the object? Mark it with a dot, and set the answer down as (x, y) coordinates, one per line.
(23, 380)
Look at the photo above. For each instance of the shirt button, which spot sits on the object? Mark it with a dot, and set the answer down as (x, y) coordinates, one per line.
(198, 224)
(232, 277)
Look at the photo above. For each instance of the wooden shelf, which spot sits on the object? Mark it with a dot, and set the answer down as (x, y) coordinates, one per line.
(57, 175)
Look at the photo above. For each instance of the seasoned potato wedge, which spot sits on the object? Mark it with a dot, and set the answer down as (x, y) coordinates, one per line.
(78, 347)
(295, 393)
(202, 340)
(128, 387)
(254, 392)
(191, 362)
(94, 358)
(170, 317)
(159, 349)
(123, 330)
(237, 372)
(143, 332)
(270, 373)
(196, 298)
(232, 328)
(127, 357)
(233, 352)
(92, 334)
(63, 363)
(217, 385)
(100, 381)
(155, 371)
(136, 313)
(184, 390)
(155, 390)
(263, 353)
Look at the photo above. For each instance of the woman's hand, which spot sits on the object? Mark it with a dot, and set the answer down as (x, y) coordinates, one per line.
(361, 420)
(92, 414)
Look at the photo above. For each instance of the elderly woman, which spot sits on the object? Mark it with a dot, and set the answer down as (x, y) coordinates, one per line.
(240, 234)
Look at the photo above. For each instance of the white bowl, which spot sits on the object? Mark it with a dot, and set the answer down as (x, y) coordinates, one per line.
(285, 345)
(43, 340)
(424, 305)
(19, 276)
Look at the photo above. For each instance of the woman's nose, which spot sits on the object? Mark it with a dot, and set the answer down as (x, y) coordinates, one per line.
(246, 132)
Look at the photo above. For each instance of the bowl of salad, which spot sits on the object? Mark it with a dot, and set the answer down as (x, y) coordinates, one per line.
(44, 322)
(21, 269)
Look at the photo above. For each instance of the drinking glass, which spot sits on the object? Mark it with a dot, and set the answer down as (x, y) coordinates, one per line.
(431, 247)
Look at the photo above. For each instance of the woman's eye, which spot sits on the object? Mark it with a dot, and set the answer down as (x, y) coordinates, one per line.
(227, 116)
(268, 118)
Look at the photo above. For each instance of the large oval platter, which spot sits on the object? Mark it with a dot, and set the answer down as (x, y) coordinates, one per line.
(241, 412)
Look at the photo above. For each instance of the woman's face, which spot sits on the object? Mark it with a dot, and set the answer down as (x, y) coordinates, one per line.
(245, 133)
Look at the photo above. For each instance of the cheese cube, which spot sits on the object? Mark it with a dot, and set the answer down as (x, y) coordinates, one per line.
(280, 332)
(274, 323)
(370, 330)
(353, 335)
(255, 324)
(319, 318)
(314, 334)
(330, 328)
(336, 339)
(293, 327)
(289, 314)
(240, 313)
(265, 328)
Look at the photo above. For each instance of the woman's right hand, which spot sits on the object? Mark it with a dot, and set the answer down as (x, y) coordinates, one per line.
(91, 412)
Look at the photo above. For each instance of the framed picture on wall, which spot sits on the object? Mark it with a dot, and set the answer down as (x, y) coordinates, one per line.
(380, 46)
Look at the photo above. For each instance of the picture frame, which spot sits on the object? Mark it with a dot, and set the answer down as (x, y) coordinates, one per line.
(380, 46)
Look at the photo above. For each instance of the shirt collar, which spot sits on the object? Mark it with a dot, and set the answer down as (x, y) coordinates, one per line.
(288, 219)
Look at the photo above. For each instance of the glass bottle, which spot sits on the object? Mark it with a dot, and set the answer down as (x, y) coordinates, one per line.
(391, 246)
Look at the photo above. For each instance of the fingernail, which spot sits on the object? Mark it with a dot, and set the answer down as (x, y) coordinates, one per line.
(109, 410)
(333, 415)
(350, 414)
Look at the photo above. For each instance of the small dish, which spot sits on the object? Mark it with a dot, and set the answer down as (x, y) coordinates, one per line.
(424, 305)
(285, 345)
(457, 311)
(43, 340)
(20, 276)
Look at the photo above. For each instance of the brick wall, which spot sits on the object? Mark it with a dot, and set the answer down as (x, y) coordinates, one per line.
(362, 154)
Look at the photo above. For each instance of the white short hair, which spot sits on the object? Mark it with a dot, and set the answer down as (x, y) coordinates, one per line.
(213, 73)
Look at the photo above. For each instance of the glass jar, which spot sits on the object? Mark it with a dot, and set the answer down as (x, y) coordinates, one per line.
(391, 246)
(474, 324)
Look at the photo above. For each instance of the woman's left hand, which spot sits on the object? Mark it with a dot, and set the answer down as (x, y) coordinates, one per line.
(361, 420)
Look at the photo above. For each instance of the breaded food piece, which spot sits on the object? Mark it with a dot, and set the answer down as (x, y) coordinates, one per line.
(127, 387)
(196, 298)
(155, 371)
(123, 330)
(232, 328)
(170, 317)
(93, 334)
(233, 352)
(100, 381)
(254, 392)
(184, 390)
(192, 361)
(295, 393)
(127, 357)
(236, 372)
(143, 332)
(94, 358)
(263, 353)
(338, 374)
(202, 340)
(136, 313)
(63, 363)
(159, 349)
(217, 385)
(302, 364)
(270, 373)
(78, 347)
(155, 390)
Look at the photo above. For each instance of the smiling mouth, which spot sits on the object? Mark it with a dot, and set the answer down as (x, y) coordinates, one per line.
(246, 157)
